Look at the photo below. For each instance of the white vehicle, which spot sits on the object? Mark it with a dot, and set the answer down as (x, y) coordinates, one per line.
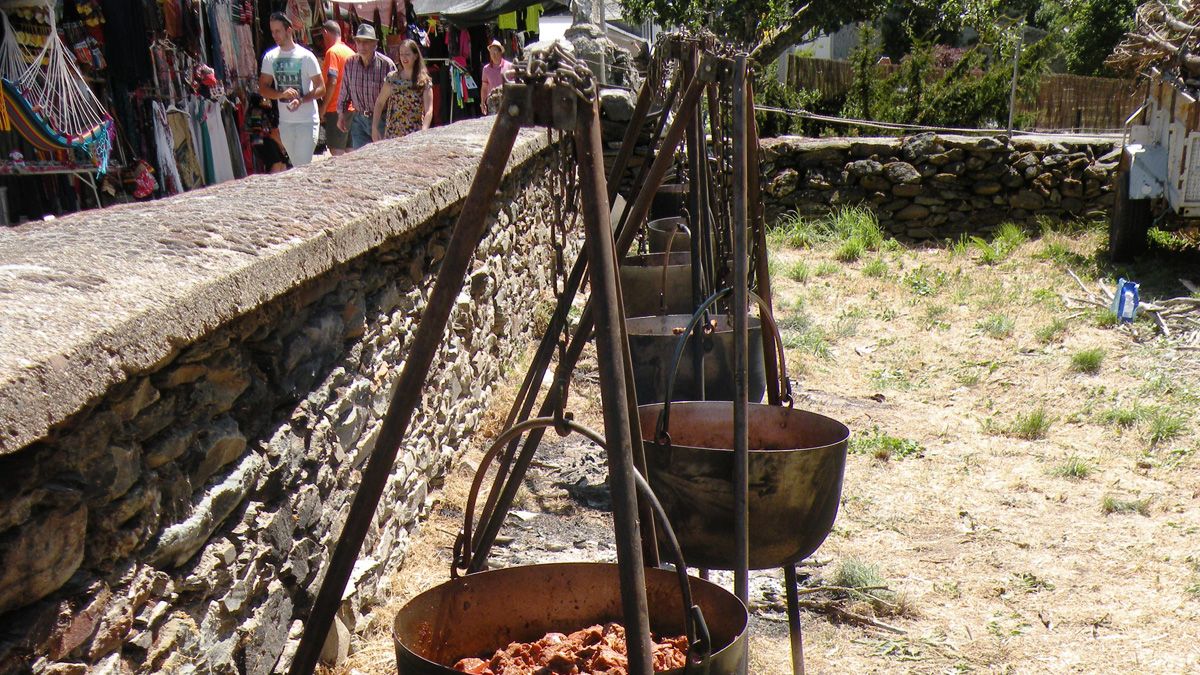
(1158, 179)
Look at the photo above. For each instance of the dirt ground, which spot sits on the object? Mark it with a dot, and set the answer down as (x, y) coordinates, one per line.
(1029, 516)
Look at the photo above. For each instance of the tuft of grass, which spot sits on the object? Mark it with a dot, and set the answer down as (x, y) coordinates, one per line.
(1126, 417)
(864, 583)
(1105, 318)
(877, 269)
(855, 223)
(825, 268)
(1087, 361)
(799, 332)
(1164, 426)
(1112, 505)
(893, 378)
(1007, 239)
(1052, 332)
(996, 326)
(850, 250)
(1074, 467)
(961, 246)
(925, 281)
(883, 446)
(1032, 425)
(935, 317)
(798, 271)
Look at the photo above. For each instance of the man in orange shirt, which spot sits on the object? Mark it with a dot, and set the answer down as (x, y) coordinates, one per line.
(336, 53)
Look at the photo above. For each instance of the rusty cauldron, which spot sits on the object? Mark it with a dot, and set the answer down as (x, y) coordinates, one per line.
(670, 232)
(652, 342)
(657, 283)
(479, 613)
(797, 460)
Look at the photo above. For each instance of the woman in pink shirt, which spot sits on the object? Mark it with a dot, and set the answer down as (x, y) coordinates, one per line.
(495, 73)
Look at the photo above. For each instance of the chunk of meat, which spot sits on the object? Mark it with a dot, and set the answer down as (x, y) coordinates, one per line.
(595, 650)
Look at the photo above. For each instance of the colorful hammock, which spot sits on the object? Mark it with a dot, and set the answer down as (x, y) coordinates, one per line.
(16, 114)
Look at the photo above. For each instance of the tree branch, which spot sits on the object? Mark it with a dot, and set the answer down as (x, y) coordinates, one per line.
(780, 40)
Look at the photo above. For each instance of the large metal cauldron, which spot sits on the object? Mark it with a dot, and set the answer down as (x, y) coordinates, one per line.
(653, 340)
(666, 232)
(658, 283)
(477, 614)
(797, 459)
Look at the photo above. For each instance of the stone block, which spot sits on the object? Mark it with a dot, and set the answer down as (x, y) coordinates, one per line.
(901, 172)
(42, 553)
(912, 212)
(180, 542)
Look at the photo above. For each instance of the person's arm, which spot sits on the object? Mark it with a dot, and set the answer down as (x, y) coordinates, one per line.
(485, 88)
(427, 103)
(266, 87)
(380, 102)
(331, 79)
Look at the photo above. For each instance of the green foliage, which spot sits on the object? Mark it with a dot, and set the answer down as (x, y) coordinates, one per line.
(1032, 425)
(974, 92)
(1164, 426)
(748, 21)
(1087, 361)
(856, 226)
(1112, 505)
(1126, 417)
(883, 446)
(1087, 31)
(769, 91)
(925, 281)
(1075, 467)
(1051, 332)
(877, 269)
(798, 271)
(996, 326)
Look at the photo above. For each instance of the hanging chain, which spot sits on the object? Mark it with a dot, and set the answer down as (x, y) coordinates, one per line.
(564, 191)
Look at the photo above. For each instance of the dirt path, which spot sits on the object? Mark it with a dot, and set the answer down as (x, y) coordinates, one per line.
(1029, 516)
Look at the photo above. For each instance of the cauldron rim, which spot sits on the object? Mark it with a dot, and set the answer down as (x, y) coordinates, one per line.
(842, 441)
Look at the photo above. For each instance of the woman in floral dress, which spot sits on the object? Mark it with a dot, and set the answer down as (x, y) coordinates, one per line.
(405, 102)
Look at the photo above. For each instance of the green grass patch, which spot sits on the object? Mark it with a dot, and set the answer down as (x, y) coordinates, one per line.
(892, 378)
(1032, 583)
(996, 326)
(1126, 416)
(925, 281)
(826, 268)
(883, 446)
(854, 223)
(1105, 318)
(862, 581)
(798, 271)
(1032, 425)
(1074, 467)
(850, 250)
(1087, 361)
(1164, 426)
(799, 332)
(935, 317)
(1111, 505)
(1051, 332)
(876, 269)
(1008, 238)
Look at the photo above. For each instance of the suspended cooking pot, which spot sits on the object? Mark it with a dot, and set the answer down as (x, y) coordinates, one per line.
(657, 283)
(652, 342)
(670, 232)
(669, 200)
(797, 461)
(480, 613)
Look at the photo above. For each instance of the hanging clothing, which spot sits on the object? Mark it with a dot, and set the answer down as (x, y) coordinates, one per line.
(165, 151)
(507, 21)
(403, 112)
(235, 143)
(190, 174)
(533, 14)
(222, 161)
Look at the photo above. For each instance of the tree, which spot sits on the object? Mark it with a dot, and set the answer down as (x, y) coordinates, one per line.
(1089, 30)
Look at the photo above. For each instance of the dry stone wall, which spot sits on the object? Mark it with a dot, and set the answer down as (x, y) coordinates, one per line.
(181, 520)
(939, 187)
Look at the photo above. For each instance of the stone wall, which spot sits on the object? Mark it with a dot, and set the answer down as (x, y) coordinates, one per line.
(189, 390)
(938, 187)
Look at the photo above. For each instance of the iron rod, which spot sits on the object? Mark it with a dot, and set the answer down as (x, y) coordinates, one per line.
(468, 231)
(791, 583)
(762, 265)
(611, 352)
(694, 135)
(741, 485)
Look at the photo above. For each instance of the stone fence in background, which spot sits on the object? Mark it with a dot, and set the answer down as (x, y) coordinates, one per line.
(939, 187)
(190, 388)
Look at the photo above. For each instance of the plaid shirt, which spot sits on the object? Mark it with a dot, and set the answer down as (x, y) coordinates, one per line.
(361, 84)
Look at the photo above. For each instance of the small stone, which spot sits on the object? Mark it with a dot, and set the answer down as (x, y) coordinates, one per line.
(1028, 200)
(337, 644)
(986, 188)
(41, 555)
(906, 190)
(143, 395)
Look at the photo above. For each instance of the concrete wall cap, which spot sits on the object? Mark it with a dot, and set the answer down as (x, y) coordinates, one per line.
(91, 298)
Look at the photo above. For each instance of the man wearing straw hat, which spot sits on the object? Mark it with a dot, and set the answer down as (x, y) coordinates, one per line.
(364, 75)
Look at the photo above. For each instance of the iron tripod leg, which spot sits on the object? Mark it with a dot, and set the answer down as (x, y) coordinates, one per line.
(611, 356)
(791, 584)
(468, 231)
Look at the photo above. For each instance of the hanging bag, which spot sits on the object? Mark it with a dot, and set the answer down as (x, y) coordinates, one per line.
(395, 35)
